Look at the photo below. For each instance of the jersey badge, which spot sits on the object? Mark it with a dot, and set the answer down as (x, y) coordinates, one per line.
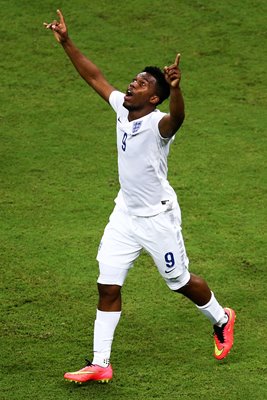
(136, 126)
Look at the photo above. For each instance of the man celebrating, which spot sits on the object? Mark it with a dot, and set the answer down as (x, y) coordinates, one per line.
(146, 215)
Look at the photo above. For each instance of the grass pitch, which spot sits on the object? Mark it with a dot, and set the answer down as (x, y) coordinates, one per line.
(59, 179)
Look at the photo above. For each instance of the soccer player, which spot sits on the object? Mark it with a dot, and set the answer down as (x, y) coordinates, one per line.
(146, 214)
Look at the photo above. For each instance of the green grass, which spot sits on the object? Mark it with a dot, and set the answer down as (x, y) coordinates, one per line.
(59, 179)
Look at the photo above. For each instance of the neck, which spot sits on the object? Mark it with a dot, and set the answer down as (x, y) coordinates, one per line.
(136, 114)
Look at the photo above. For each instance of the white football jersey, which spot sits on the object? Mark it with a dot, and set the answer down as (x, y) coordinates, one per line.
(142, 162)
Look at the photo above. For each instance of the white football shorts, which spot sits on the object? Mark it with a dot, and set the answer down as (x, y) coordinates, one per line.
(124, 238)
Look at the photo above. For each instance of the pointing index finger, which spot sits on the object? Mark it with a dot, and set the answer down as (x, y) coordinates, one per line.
(61, 18)
(177, 60)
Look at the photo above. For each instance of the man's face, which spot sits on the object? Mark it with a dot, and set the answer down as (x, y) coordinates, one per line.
(140, 92)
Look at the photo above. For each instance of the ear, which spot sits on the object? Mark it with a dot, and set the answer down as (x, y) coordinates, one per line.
(154, 99)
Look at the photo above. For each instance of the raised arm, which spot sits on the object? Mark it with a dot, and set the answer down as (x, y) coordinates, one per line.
(170, 124)
(86, 68)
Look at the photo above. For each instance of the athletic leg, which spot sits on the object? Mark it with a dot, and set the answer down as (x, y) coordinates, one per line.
(200, 294)
(107, 318)
(117, 248)
(117, 253)
(167, 248)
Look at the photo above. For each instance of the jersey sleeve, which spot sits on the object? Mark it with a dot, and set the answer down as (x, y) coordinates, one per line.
(116, 99)
(156, 118)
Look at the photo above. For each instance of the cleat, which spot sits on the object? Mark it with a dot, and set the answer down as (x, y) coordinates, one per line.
(103, 381)
(90, 372)
(224, 336)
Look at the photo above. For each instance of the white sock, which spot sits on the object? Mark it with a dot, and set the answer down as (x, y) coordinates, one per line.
(104, 328)
(214, 311)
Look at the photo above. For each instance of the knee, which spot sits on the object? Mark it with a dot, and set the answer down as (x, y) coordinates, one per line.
(109, 292)
(196, 281)
(196, 290)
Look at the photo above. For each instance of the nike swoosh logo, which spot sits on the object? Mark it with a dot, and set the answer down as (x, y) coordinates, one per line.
(167, 272)
(119, 119)
(217, 351)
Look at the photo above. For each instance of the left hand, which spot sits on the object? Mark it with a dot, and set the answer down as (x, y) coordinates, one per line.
(173, 73)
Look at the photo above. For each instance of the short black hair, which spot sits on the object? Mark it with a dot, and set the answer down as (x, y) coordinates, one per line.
(163, 88)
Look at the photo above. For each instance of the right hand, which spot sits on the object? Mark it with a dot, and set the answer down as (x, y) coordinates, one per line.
(59, 28)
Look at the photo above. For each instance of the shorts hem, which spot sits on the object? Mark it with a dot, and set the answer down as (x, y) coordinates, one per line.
(179, 283)
(110, 264)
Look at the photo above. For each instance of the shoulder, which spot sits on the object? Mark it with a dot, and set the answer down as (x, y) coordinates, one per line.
(157, 115)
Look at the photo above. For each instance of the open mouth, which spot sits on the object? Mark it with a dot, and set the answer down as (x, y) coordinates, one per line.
(128, 93)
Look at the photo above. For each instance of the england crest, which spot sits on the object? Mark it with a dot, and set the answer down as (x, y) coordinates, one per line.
(136, 126)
